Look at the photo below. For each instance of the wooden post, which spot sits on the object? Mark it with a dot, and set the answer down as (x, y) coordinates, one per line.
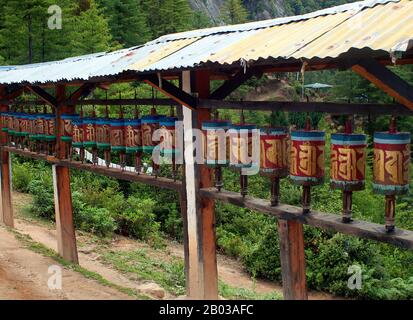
(5, 176)
(66, 238)
(292, 260)
(203, 274)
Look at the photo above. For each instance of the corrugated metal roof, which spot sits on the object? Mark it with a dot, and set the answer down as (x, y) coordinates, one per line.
(380, 25)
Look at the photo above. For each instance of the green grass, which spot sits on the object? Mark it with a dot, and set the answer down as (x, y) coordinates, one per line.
(39, 248)
(171, 275)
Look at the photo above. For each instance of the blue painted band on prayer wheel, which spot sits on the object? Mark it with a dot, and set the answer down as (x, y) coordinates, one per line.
(307, 157)
(348, 161)
(241, 146)
(103, 133)
(133, 135)
(391, 164)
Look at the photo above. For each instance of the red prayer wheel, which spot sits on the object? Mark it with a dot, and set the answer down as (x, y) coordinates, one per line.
(216, 138)
(348, 161)
(89, 132)
(391, 163)
(133, 138)
(274, 152)
(307, 166)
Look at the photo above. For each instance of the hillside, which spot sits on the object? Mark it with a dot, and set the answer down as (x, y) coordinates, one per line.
(264, 9)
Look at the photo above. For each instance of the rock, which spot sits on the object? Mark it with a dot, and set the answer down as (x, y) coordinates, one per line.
(153, 290)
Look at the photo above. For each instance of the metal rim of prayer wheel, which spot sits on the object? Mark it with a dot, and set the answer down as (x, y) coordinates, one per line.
(310, 169)
(67, 120)
(117, 135)
(274, 156)
(348, 161)
(235, 134)
(168, 124)
(391, 163)
(210, 129)
(133, 137)
(103, 133)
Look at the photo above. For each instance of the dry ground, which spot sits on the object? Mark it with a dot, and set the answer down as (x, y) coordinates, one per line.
(24, 273)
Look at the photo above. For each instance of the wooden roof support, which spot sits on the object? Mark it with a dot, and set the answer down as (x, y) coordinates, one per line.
(44, 95)
(66, 238)
(81, 93)
(386, 80)
(171, 91)
(6, 205)
(234, 83)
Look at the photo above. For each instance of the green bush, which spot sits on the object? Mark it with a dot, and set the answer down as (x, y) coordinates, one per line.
(22, 175)
(43, 198)
(96, 220)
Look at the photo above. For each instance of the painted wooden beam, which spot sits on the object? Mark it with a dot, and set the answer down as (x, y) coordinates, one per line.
(5, 176)
(66, 237)
(386, 80)
(329, 222)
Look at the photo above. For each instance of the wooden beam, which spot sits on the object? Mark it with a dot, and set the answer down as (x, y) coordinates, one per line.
(322, 107)
(195, 268)
(81, 93)
(292, 257)
(5, 176)
(171, 91)
(234, 83)
(44, 95)
(386, 80)
(329, 222)
(66, 237)
(158, 182)
(206, 207)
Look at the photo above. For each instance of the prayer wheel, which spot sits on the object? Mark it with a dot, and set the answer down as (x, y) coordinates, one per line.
(216, 147)
(307, 162)
(17, 123)
(11, 126)
(77, 136)
(117, 135)
(274, 158)
(41, 130)
(103, 137)
(167, 127)
(149, 125)
(348, 161)
(133, 136)
(4, 122)
(32, 122)
(67, 120)
(24, 128)
(348, 167)
(89, 132)
(241, 151)
(391, 169)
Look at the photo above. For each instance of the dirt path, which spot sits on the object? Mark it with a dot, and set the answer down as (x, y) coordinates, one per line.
(24, 275)
(230, 270)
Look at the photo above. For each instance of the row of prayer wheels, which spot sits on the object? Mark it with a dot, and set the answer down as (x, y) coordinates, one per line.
(300, 155)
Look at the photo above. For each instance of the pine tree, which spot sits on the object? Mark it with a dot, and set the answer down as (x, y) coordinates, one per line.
(233, 12)
(91, 32)
(127, 21)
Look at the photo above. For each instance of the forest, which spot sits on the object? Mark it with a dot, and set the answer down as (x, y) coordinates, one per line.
(105, 206)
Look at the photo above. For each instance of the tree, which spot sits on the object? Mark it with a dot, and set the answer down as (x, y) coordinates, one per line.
(233, 12)
(127, 21)
(91, 32)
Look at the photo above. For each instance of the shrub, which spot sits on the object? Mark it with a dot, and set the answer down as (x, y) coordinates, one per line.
(96, 220)
(43, 199)
(22, 176)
